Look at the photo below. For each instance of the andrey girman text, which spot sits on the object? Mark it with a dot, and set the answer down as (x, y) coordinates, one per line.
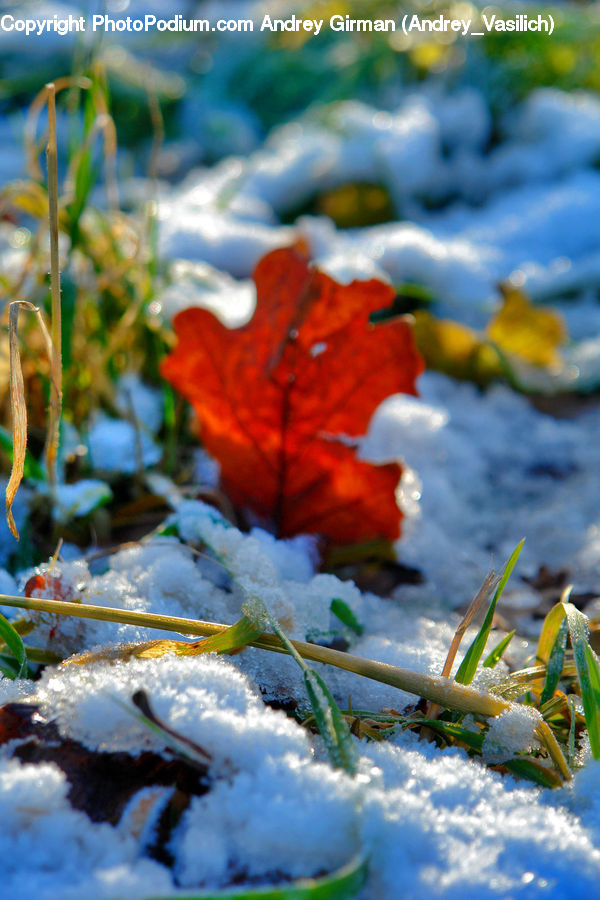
(177, 23)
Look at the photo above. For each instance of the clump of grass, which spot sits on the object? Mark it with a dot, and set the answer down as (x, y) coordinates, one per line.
(52, 340)
(108, 257)
(96, 318)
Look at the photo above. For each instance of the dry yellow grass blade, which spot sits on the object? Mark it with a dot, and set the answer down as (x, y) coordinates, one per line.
(32, 147)
(54, 412)
(17, 401)
(489, 583)
(544, 733)
(447, 693)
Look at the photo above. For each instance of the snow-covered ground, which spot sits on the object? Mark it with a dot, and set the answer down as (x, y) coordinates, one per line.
(482, 470)
(432, 823)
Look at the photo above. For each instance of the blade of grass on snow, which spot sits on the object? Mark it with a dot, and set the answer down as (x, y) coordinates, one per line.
(532, 771)
(340, 885)
(588, 673)
(454, 731)
(493, 658)
(330, 722)
(345, 615)
(13, 642)
(179, 744)
(448, 694)
(468, 667)
(556, 662)
(229, 640)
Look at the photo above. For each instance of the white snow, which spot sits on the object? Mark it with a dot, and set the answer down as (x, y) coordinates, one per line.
(512, 733)
(51, 850)
(80, 498)
(137, 400)
(433, 822)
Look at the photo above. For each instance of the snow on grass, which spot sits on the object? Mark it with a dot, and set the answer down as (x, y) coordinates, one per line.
(511, 733)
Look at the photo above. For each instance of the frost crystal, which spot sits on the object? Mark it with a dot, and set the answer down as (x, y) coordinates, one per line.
(255, 610)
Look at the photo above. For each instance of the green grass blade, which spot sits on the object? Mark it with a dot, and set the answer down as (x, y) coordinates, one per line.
(493, 658)
(531, 771)
(468, 667)
(32, 468)
(178, 744)
(345, 615)
(340, 885)
(14, 643)
(230, 640)
(473, 739)
(234, 638)
(588, 674)
(9, 666)
(571, 744)
(594, 676)
(554, 666)
(331, 724)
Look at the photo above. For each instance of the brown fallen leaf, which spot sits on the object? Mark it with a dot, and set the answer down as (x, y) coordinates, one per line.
(101, 784)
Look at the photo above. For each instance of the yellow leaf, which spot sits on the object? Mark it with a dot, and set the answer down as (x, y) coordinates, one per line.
(356, 204)
(530, 332)
(455, 349)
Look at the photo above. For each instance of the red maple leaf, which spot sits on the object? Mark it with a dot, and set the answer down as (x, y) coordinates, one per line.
(280, 399)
